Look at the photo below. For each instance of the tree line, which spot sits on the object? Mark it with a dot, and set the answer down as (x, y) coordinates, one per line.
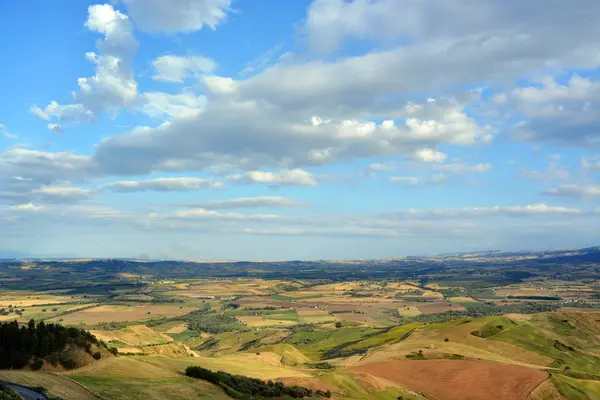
(243, 387)
(20, 344)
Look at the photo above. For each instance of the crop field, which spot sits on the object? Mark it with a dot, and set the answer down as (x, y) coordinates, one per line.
(357, 337)
(120, 313)
(134, 335)
(459, 380)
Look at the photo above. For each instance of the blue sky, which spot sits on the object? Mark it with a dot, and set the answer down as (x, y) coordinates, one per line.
(335, 129)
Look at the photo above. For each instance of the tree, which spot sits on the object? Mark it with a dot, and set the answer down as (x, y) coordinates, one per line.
(338, 324)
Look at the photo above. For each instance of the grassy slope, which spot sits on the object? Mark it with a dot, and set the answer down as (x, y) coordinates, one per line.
(56, 385)
(574, 389)
(534, 335)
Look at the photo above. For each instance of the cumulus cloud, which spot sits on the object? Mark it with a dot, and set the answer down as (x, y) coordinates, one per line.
(171, 68)
(293, 177)
(591, 190)
(169, 106)
(245, 202)
(203, 214)
(251, 135)
(559, 114)
(330, 22)
(219, 84)
(430, 155)
(113, 86)
(42, 167)
(184, 16)
(165, 184)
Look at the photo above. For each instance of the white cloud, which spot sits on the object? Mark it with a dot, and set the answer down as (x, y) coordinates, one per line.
(590, 163)
(293, 177)
(55, 128)
(6, 133)
(61, 191)
(203, 214)
(29, 207)
(554, 171)
(467, 212)
(64, 114)
(113, 86)
(44, 167)
(430, 156)
(563, 114)
(246, 202)
(576, 190)
(220, 85)
(389, 166)
(464, 168)
(171, 68)
(165, 184)
(169, 106)
(172, 16)
(411, 180)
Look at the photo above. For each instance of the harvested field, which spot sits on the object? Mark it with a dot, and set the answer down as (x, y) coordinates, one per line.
(458, 380)
(265, 357)
(462, 300)
(409, 311)
(258, 321)
(439, 307)
(525, 292)
(312, 383)
(120, 313)
(16, 301)
(136, 335)
(178, 329)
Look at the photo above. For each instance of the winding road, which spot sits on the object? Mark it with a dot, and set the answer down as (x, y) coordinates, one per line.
(25, 392)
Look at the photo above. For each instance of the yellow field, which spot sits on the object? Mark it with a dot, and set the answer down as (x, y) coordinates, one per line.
(135, 335)
(409, 311)
(462, 300)
(178, 329)
(123, 313)
(259, 321)
(24, 301)
(223, 287)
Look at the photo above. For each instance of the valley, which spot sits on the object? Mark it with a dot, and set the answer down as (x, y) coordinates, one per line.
(487, 327)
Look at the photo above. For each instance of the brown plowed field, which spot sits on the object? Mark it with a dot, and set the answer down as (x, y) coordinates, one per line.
(458, 379)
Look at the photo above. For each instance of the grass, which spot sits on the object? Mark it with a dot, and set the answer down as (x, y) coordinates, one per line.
(351, 388)
(493, 327)
(531, 336)
(56, 385)
(569, 388)
(319, 343)
(284, 316)
(393, 335)
(175, 388)
(294, 298)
